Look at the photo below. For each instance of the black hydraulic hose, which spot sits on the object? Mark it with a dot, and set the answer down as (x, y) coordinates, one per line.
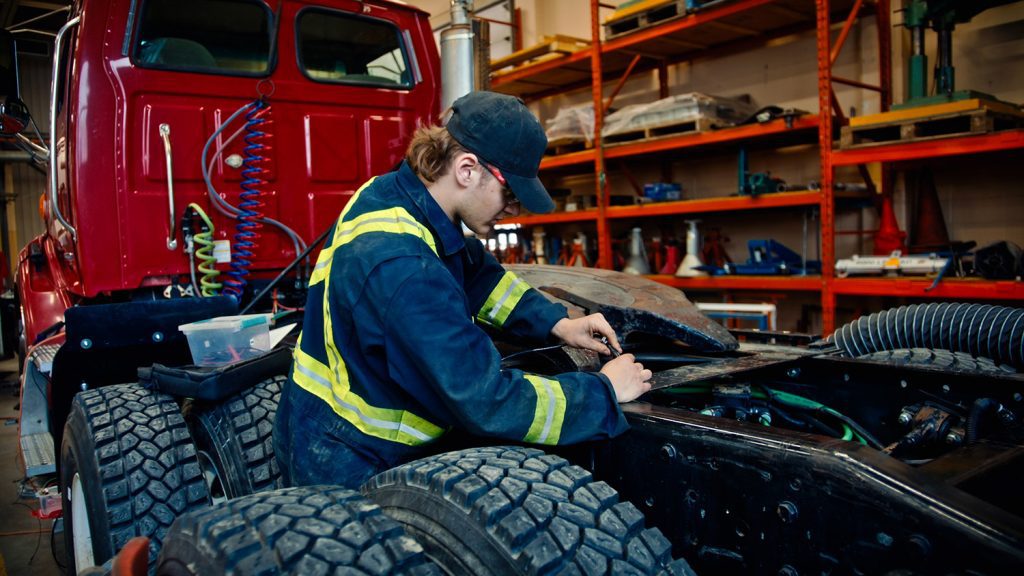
(981, 330)
(982, 411)
(287, 269)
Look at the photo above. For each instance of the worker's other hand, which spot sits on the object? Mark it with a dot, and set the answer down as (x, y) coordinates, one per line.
(629, 378)
(587, 333)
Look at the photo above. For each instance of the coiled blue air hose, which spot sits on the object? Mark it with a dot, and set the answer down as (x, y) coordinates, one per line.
(250, 216)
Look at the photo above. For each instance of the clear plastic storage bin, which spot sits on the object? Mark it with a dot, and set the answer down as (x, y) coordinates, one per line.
(228, 339)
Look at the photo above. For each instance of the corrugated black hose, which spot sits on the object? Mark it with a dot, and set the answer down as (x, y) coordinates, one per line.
(981, 330)
(982, 412)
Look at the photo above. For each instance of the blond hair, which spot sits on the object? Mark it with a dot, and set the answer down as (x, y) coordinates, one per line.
(431, 152)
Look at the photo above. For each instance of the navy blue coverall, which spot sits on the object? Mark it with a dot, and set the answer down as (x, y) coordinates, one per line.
(391, 354)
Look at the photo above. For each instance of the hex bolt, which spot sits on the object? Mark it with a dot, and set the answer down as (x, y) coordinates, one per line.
(793, 373)
(1006, 416)
(86, 343)
(667, 452)
(787, 511)
(884, 539)
(765, 419)
(906, 417)
(158, 336)
(953, 438)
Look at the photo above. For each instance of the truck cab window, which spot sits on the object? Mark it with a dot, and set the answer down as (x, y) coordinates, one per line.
(348, 49)
(219, 36)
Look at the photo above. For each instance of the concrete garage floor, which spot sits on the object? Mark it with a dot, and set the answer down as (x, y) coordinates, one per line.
(24, 540)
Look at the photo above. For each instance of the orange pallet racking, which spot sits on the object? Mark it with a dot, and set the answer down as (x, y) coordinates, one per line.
(730, 28)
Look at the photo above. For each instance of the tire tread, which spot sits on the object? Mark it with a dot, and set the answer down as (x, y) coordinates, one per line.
(545, 514)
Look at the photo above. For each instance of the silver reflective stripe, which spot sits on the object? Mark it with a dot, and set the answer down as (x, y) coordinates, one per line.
(551, 411)
(312, 375)
(324, 264)
(503, 299)
(369, 420)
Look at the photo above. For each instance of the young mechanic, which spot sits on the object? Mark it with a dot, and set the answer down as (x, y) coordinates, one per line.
(391, 354)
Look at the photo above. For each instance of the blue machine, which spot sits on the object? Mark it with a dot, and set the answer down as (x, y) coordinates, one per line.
(768, 258)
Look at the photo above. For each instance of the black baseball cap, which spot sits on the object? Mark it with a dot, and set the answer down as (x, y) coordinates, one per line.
(502, 131)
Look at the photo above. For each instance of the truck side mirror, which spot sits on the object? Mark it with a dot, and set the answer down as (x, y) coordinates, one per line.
(14, 116)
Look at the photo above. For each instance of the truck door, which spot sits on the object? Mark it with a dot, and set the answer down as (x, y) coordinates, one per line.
(344, 92)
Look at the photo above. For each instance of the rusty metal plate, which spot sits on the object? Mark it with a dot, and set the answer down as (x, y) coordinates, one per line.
(630, 303)
(726, 366)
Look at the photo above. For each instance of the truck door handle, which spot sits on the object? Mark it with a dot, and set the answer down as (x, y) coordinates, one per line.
(172, 235)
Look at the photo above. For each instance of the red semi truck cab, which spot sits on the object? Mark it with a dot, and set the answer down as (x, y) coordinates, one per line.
(248, 122)
(141, 87)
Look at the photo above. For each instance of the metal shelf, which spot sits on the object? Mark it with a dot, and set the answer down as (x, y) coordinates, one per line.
(806, 125)
(936, 148)
(717, 26)
(803, 128)
(553, 218)
(730, 204)
(961, 288)
(773, 283)
(750, 22)
(554, 74)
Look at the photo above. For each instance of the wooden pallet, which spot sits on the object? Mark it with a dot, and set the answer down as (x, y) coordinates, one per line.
(549, 47)
(642, 15)
(699, 124)
(560, 146)
(965, 118)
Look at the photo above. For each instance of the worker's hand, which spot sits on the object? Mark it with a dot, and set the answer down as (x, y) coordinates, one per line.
(587, 333)
(629, 378)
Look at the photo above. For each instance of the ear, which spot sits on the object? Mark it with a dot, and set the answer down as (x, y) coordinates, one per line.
(464, 169)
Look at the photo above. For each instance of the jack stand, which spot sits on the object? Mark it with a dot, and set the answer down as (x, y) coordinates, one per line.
(688, 267)
(637, 261)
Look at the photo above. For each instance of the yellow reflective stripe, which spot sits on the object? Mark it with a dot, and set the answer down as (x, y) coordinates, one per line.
(395, 425)
(392, 220)
(330, 382)
(323, 264)
(323, 261)
(502, 300)
(549, 413)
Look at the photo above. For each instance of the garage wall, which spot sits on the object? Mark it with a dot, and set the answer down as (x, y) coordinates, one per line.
(23, 184)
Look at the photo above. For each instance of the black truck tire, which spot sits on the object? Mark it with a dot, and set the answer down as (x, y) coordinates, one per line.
(946, 359)
(513, 510)
(235, 438)
(128, 468)
(305, 530)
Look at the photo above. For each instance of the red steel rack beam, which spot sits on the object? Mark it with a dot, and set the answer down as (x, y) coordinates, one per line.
(729, 204)
(954, 288)
(939, 147)
(554, 218)
(787, 283)
(828, 244)
(604, 239)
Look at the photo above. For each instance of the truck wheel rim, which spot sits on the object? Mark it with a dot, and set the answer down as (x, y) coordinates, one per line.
(212, 478)
(80, 526)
